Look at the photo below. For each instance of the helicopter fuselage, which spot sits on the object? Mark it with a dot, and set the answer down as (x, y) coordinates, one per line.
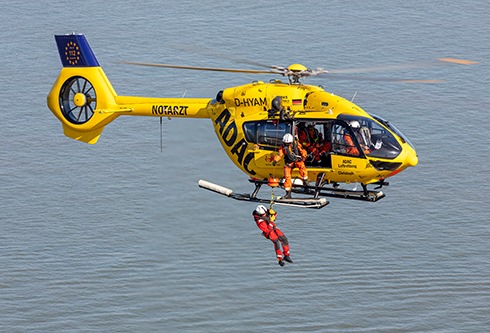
(250, 136)
(247, 120)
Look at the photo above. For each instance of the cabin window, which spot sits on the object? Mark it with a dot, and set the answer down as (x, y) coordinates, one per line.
(315, 137)
(266, 133)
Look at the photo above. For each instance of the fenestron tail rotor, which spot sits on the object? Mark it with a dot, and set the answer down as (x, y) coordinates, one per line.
(77, 100)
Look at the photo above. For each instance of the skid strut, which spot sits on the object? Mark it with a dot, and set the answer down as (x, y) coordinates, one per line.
(324, 189)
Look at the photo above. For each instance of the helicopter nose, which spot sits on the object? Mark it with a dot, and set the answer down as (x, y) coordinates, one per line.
(411, 160)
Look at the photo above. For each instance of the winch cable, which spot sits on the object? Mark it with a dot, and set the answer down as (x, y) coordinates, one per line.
(277, 139)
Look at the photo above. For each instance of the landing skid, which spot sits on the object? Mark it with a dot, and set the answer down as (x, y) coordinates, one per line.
(296, 202)
(324, 189)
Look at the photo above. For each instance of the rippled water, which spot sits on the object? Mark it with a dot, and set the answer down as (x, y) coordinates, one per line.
(118, 237)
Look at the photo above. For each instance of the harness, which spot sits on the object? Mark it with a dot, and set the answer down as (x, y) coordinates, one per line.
(260, 217)
(292, 154)
(313, 137)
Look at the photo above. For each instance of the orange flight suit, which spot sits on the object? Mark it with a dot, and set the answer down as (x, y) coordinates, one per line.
(350, 147)
(294, 156)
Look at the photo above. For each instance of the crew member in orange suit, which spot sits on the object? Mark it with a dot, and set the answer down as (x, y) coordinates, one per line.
(265, 221)
(312, 140)
(294, 157)
(350, 147)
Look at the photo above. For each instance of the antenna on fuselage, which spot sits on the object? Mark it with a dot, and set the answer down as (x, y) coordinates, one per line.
(161, 134)
(355, 94)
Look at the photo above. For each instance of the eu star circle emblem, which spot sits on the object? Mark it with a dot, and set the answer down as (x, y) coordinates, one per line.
(72, 53)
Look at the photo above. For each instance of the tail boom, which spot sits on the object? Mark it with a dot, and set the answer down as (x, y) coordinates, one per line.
(165, 107)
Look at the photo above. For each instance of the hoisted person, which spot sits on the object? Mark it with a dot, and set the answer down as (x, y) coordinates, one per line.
(265, 220)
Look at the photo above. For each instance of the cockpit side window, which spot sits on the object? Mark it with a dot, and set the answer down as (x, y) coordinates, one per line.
(344, 141)
(373, 136)
(266, 133)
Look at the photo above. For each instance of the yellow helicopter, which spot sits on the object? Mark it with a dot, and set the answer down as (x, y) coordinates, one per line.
(250, 121)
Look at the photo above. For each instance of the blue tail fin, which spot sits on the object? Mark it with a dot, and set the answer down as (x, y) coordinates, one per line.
(75, 51)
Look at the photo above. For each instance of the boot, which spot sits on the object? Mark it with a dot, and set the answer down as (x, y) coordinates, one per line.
(288, 195)
(288, 259)
(307, 190)
(280, 262)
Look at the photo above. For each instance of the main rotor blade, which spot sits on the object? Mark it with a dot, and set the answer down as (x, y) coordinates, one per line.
(421, 64)
(458, 61)
(333, 74)
(197, 68)
(380, 79)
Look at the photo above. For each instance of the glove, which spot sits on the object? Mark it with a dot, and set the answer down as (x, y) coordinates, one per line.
(378, 144)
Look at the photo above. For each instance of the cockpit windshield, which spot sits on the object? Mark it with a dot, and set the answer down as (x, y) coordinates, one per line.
(375, 140)
(393, 128)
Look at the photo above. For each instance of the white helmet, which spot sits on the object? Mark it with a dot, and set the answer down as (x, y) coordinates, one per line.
(261, 210)
(354, 124)
(287, 138)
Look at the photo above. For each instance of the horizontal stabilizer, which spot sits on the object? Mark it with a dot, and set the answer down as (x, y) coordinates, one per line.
(90, 137)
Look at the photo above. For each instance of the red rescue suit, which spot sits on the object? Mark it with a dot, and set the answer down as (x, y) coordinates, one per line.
(272, 232)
